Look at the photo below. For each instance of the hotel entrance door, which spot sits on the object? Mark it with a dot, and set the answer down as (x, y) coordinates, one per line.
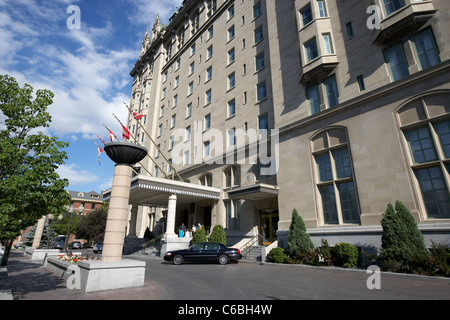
(268, 226)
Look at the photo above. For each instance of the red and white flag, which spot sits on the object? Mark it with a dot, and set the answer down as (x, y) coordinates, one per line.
(100, 150)
(112, 136)
(137, 116)
(126, 133)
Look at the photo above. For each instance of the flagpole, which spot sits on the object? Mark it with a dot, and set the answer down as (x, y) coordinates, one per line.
(134, 137)
(139, 123)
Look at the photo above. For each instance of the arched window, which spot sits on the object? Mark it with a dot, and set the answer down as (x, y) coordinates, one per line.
(206, 180)
(336, 190)
(425, 126)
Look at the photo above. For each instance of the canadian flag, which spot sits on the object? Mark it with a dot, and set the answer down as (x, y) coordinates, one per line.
(112, 136)
(137, 116)
(100, 150)
(126, 133)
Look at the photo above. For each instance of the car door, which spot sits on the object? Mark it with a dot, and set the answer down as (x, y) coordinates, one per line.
(195, 252)
(211, 251)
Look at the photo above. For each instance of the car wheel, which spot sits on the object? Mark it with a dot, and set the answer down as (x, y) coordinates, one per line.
(177, 260)
(223, 259)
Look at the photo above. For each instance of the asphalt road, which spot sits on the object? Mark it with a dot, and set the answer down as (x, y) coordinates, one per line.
(252, 281)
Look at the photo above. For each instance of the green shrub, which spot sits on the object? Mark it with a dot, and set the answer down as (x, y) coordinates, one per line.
(199, 235)
(277, 255)
(299, 241)
(345, 255)
(325, 252)
(402, 242)
(218, 235)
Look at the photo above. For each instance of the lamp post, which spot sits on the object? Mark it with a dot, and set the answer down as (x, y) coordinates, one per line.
(80, 211)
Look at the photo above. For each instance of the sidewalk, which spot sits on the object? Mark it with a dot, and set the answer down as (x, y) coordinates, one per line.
(28, 280)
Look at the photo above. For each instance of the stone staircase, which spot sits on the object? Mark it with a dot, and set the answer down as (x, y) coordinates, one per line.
(252, 254)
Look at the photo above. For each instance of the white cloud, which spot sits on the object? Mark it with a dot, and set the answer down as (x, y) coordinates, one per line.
(76, 175)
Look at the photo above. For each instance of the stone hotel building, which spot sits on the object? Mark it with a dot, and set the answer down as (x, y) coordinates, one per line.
(334, 107)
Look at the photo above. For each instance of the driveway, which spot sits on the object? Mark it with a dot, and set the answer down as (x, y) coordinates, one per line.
(252, 281)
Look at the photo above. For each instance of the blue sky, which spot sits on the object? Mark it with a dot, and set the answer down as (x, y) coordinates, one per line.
(87, 69)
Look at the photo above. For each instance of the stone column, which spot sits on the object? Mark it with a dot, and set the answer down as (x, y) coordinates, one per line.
(38, 232)
(171, 211)
(117, 215)
(133, 220)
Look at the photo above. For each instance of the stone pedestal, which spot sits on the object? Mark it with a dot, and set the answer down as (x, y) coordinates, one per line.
(117, 214)
(100, 275)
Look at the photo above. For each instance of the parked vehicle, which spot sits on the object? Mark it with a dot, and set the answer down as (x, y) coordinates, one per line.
(206, 251)
(75, 245)
(98, 247)
(59, 244)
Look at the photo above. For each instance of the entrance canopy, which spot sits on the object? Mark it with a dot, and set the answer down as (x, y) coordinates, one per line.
(150, 191)
(254, 192)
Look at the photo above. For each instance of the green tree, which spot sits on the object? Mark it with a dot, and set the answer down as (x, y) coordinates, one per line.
(29, 185)
(299, 241)
(218, 235)
(92, 226)
(401, 241)
(199, 235)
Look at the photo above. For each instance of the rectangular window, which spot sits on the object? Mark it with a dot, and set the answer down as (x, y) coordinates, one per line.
(434, 191)
(257, 10)
(342, 163)
(209, 74)
(331, 92)
(174, 121)
(361, 84)
(231, 81)
(208, 95)
(421, 145)
(187, 135)
(188, 110)
(350, 32)
(390, 6)
(230, 33)
(231, 137)
(259, 61)
(328, 49)
(329, 204)
(314, 99)
(396, 61)
(321, 7)
(186, 158)
(426, 50)
(349, 204)
(206, 149)
(306, 15)
(263, 122)
(259, 34)
(231, 56)
(311, 50)
(324, 167)
(207, 122)
(209, 52)
(231, 110)
(443, 131)
(261, 91)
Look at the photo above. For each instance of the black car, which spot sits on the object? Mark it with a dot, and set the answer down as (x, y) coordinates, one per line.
(206, 251)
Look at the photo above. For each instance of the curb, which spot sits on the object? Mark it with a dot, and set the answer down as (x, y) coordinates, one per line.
(331, 268)
(5, 287)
